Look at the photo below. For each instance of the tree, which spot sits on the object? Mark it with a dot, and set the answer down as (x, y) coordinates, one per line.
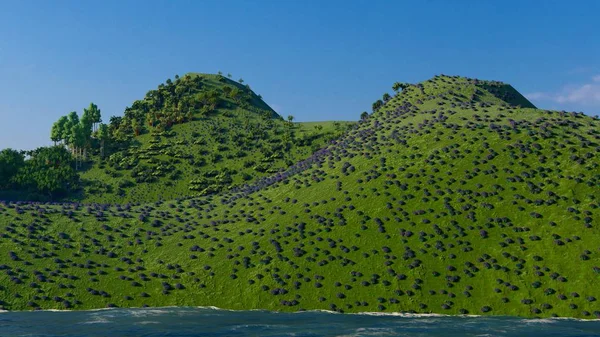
(11, 161)
(241, 80)
(189, 115)
(386, 97)
(63, 128)
(87, 124)
(209, 99)
(378, 104)
(364, 115)
(290, 118)
(57, 133)
(78, 142)
(68, 135)
(103, 136)
(150, 119)
(234, 93)
(49, 171)
(229, 75)
(398, 85)
(73, 118)
(94, 114)
(137, 127)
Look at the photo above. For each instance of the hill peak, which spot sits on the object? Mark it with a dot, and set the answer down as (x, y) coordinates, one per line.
(463, 90)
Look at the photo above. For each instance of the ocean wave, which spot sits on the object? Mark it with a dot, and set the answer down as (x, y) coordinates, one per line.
(403, 314)
(147, 312)
(371, 332)
(147, 322)
(97, 320)
(539, 321)
(163, 310)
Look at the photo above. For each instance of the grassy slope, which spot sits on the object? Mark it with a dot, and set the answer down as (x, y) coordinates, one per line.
(185, 156)
(336, 236)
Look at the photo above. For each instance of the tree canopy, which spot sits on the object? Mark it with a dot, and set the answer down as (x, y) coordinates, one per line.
(48, 171)
(11, 161)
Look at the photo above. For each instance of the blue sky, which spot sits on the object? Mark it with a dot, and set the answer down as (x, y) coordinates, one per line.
(316, 60)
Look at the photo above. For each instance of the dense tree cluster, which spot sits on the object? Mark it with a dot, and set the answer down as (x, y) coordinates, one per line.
(176, 102)
(77, 133)
(47, 172)
(218, 121)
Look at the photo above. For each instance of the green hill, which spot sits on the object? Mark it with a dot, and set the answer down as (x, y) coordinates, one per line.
(200, 153)
(447, 199)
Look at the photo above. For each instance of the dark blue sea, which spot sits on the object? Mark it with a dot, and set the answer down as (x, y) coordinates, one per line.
(215, 322)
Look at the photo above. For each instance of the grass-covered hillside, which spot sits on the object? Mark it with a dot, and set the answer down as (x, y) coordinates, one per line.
(197, 135)
(447, 199)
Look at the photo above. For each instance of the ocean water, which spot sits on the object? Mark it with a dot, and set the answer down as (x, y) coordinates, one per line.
(215, 322)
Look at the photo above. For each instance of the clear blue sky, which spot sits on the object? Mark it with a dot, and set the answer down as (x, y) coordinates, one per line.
(316, 60)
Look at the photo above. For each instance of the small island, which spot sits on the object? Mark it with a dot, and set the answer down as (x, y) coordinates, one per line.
(452, 196)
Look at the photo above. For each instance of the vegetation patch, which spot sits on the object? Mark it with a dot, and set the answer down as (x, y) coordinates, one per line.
(448, 198)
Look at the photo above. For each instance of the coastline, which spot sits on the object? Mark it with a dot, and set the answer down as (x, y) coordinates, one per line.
(378, 314)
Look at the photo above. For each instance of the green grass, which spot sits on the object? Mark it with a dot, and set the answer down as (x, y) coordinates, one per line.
(187, 156)
(442, 167)
(236, 141)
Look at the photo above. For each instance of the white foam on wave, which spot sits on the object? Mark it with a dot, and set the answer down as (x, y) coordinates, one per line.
(371, 332)
(401, 314)
(213, 308)
(97, 320)
(317, 310)
(575, 319)
(258, 325)
(163, 310)
(539, 321)
(147, 312)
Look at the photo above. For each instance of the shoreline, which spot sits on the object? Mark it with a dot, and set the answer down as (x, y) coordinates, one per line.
(367, 313)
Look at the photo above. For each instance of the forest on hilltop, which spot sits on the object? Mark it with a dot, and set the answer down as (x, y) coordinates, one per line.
(197, 134)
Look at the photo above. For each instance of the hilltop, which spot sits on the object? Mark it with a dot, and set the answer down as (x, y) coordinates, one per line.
(454, 196)
(239, 139)
(195, 135)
